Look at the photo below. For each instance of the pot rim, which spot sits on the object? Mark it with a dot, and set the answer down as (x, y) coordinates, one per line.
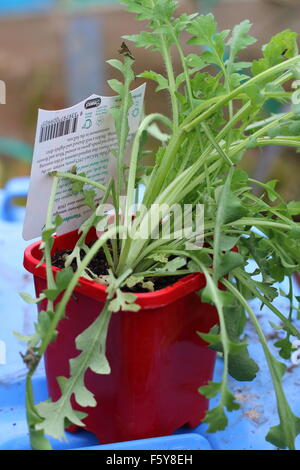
(181, 288)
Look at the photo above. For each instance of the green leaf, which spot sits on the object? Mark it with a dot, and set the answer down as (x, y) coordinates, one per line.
(285, 347)
(175, 264)
(32, 340)
(163, 83)
(229, 401)
(64, 277)
(239, 40)
(216, 418)
(89, 198)
(123, 301)
(30, 300)
(204, 259)
(294, 208)
(58, 220)
(210, 390)
(145, 39)
(270, 188)
(52, 294)
(242, 367)
(116, 85)
(282, 46)
(228, 262)
(44, 321)
(233, 209)
(38, 441)
(278, 437)
(133, 280)
(47, 234)
(91, 343)
(154, 131)
(227, 242)
(211, 339)
(117, 64)
(159, 257)
(203, 29)
(77, 186)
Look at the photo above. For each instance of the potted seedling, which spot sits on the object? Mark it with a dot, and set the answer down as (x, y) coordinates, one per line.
(130, 319)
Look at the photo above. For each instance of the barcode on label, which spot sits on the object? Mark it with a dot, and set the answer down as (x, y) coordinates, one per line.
(58, 128)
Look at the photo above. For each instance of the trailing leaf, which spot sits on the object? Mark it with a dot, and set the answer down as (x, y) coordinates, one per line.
(91, 342)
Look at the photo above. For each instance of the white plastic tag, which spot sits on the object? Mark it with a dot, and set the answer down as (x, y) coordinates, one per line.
(83, 135)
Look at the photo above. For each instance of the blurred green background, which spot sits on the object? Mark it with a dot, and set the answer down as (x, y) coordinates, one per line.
(53, 53)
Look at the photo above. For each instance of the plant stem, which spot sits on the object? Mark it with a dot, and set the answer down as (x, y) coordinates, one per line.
(283, 407)
(123, 124)
(68, 292)
(48, 243)
(194, 119)
(82, 179)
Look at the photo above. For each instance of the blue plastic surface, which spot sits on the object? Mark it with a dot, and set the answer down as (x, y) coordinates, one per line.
(191, 441)
(15, 188)
(25, 6)
(246, 429)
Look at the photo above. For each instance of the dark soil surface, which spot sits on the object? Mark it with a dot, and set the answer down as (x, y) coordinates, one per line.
(99, 267)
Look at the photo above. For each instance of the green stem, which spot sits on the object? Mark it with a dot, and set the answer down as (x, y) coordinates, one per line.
(123, 124)
(48, 244)
(131, 184)
(283, 407)
(194, 119)
(293, 330)
(69, 291)
(82, 179)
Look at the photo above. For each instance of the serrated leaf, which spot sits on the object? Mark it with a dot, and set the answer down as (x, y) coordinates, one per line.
(133, 280)
(163, 83)
(210, 390)
(228, 261)
(282, 46)
(149, 285)
(240, 39)
(216, 419)
(285, 347)
(159, 257)
(229, 401)
(53, 424)
(91, 343)
(203, 29)
(123, 301)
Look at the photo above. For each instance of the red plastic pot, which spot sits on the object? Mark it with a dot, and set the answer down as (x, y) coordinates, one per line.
(157, 359)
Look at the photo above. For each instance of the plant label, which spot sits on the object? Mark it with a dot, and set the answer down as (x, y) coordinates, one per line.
(84, 137)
